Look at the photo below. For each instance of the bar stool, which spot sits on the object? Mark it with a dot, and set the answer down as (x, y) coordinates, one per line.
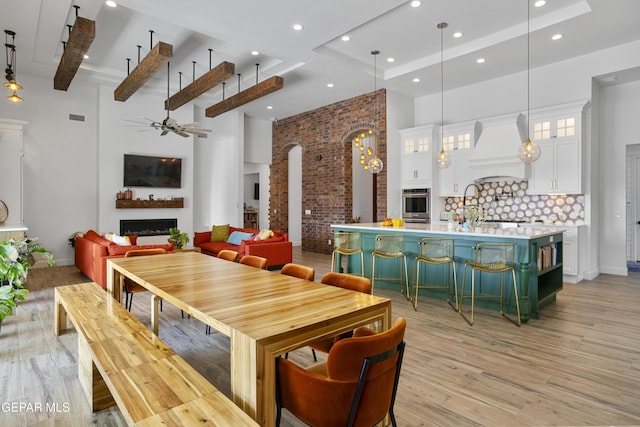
(390, 246)
(436, 251)
(347, 243)
(491, 258)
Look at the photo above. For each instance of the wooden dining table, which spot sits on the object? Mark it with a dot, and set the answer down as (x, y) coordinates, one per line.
(264, 314)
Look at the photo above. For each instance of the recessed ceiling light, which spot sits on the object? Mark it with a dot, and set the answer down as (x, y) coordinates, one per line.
(329, 84)
(480, 60)
(416, 3)
(390, 59)
(457, 34)
(556, 37)
(255, 53)
(297, 27)
(540, 3)
(346, 38)
(86, 56)
(416, 80)
(110, 3)
(269, 107)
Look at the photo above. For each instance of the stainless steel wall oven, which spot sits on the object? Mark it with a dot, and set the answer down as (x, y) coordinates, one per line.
(416, 205)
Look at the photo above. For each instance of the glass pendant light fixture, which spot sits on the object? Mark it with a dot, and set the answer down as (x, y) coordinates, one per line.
(443, 159)
(10, 70)
(375, 163)
(529, 151)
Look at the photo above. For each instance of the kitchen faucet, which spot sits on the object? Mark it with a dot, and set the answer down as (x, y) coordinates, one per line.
(464, 199)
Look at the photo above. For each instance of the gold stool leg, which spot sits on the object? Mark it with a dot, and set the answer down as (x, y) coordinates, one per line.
(455, 285)
(473, 284)
(373, 272)
(517, 322)
(416, 284)
(406, 279)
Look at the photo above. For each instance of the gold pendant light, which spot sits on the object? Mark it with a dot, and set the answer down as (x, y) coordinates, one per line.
(375, 163)
(443, 159)
(529, 151)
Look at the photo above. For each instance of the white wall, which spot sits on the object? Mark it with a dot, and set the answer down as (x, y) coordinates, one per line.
(619, 113)
(400, 113)
(116, 137)
(218, 162)
(60, 160)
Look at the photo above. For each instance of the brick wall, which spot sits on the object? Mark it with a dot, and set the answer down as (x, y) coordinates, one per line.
(325, 136)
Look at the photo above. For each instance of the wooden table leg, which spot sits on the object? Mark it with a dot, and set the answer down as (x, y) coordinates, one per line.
(155, 313)
(114, 282)
(60, 316)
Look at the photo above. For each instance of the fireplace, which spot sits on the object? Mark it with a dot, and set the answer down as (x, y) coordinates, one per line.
(147, 227)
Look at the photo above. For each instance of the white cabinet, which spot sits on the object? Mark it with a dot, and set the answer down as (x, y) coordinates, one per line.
(417, 160)
(457, 176)
(558, 131)
(458, 141)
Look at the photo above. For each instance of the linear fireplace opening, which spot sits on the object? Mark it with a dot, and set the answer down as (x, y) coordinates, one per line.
(147, 227)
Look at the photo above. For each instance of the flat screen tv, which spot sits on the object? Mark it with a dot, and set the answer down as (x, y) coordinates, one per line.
(152, 171)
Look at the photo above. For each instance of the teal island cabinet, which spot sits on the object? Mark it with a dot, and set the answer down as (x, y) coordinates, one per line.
(538, 261)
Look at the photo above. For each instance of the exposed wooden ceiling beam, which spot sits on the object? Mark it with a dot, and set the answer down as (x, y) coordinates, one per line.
(160, 54)
(259, 90)
(80, 39)
(217, 75)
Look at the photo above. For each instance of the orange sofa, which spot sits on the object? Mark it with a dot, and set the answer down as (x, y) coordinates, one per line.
(93, 250)
(278, 250)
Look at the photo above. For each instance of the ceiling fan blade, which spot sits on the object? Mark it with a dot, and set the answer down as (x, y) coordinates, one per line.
(185, 135)
(164, 132)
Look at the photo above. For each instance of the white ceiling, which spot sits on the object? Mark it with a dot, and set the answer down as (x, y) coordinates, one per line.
(310, 59)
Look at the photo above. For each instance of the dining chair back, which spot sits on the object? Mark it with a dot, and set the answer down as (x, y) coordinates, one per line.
(300, 271)
(254, 261)
(228, 255)
(130, 287)
(356, 386)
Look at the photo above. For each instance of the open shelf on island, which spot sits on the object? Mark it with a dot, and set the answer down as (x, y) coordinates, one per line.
(149, 204)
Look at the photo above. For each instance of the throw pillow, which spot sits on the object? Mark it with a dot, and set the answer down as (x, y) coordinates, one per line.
(264, 235)
(220, 233)
(118, 240)
(237, 237)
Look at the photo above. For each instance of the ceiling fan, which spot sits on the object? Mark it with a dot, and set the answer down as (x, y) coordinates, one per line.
(171, 125)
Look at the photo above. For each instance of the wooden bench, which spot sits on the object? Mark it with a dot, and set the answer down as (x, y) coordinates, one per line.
(121, 362)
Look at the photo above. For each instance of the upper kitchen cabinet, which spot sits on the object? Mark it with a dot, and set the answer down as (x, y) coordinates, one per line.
(458, 141)
(559, 131)
(417, 156)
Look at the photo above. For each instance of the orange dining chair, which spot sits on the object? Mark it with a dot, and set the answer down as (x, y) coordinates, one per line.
(254, 261)
(345, 281)
(131, 287)
(300, 271)
(356, 386)
(228, 254)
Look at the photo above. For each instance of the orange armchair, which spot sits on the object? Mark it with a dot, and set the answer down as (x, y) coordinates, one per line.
(356, 386)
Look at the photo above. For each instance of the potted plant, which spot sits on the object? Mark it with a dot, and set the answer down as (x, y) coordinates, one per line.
(176, 238)
(16, 257)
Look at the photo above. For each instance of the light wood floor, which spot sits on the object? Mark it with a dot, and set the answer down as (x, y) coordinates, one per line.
(577, 365)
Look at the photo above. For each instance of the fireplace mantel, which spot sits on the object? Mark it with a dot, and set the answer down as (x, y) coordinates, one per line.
(149, 204)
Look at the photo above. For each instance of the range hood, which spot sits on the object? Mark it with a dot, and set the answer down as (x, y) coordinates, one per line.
(503, 135)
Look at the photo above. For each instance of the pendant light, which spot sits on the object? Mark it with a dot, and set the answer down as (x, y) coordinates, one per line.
(375, 164)
(529, 151)
(10, 70)
(443, 159)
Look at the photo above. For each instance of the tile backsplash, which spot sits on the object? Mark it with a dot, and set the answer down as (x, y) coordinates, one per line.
(509, 201)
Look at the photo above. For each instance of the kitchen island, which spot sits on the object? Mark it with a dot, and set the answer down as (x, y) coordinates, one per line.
(538, 260)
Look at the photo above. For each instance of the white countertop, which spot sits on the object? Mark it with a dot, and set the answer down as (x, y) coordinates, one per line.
(522, 232)
(12, 227)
